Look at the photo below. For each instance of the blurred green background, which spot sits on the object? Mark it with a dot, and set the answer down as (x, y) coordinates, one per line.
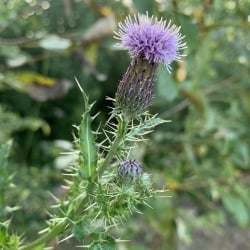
(202, 156)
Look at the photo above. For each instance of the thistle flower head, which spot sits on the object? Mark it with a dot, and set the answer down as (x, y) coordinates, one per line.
(130, 170)
(151, 39)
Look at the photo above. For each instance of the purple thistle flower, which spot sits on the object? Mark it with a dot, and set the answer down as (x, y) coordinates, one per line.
(151, 39)
(149, 42)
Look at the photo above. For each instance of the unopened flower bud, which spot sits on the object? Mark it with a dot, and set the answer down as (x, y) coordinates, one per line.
(135, 90)
(130, 170)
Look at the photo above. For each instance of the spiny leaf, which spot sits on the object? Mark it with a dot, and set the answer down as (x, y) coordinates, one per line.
(107, 244)
(87, 145)
(144, 128)
(88, 148)
(8, 241)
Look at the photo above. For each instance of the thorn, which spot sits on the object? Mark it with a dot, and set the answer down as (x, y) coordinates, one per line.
(54, 197)
(79, 86)
(68, 237)
(43, 231)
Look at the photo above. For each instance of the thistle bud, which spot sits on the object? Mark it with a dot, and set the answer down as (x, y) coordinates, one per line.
(130, 170)
(135, 90)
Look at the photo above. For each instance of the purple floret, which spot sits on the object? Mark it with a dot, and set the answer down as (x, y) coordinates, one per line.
(151, 39)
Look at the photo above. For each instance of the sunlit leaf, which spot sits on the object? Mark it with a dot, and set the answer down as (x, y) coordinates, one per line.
(39, 87)
(35, 78)
(100, 29)
(54, 42)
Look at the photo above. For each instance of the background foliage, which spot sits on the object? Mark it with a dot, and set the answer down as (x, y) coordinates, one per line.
(202, 156)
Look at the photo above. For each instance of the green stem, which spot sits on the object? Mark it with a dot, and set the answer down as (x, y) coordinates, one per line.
(121, 130)
(60, 227)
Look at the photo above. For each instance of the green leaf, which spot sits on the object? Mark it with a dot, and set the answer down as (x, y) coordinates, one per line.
(241, 154)
(41, 247)
(38, 86)
(88, 148)
(4, 180)
(190, 29)
(8, 242)
(85, 228)
(3, 233)
(107, 244)
(4, 152)
(12, 122)
(235, 205)
(166, 86)
(144, 128)
(197, 99)
(144, 6)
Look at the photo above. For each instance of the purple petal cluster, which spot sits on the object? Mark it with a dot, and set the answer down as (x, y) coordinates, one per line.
(151, 39)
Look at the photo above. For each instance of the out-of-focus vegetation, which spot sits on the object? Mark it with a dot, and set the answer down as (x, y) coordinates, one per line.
(202, 157)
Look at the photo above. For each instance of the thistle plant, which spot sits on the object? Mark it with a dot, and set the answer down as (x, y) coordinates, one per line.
(104, 185)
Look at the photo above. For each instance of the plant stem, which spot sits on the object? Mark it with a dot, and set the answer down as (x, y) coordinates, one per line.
(62, 226)
(121, 130)
(59, 228)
